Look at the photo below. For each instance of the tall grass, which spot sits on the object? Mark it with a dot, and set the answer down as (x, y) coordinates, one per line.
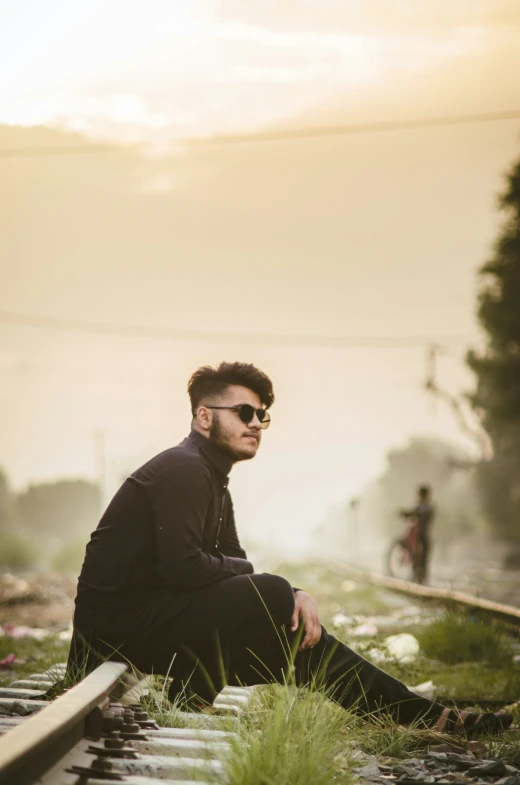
(290, 736)
(455, 637)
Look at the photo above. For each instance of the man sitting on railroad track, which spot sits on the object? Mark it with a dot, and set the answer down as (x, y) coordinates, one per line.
(167, 586)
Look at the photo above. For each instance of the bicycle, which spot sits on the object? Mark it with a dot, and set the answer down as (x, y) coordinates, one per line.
(404, 557)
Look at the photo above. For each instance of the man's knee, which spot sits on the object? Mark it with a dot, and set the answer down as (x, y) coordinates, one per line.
(277, 595)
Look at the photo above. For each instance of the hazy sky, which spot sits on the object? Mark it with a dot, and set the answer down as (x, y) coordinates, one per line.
(370, 235)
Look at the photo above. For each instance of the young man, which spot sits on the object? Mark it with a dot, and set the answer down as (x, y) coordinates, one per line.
(166, 585)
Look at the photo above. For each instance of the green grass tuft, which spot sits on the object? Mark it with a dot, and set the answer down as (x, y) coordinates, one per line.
(290, 736)
(36, 656)
(455, 638)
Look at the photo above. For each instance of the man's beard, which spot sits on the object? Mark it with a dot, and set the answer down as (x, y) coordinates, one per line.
(217, 435)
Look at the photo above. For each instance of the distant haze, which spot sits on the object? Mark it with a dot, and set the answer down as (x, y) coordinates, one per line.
(373, 235)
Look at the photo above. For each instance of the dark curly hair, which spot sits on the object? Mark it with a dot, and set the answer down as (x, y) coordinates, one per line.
(208, 382)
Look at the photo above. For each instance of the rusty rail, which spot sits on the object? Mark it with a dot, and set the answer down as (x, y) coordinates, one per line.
(505, 613)
(33, 747)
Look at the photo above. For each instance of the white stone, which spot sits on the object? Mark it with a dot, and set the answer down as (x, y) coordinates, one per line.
(402, 647)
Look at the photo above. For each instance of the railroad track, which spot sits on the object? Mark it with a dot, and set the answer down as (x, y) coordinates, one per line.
(508, 614)
(97, 732)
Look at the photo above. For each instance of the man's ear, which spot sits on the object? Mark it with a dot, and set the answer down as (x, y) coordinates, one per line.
(204, 418)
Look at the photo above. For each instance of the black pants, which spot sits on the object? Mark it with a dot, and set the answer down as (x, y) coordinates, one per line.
(425, 543)
(237, 632)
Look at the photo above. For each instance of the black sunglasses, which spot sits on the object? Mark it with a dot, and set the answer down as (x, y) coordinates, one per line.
(246, 412)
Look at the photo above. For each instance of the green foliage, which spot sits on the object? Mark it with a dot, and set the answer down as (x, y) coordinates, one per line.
(36, 656)
(455, 637)
(47, 523)
(497, 394)
(381, 736)
(290, 736)
(17, 552)
(69, 557)
(59, 508)
(7, 502)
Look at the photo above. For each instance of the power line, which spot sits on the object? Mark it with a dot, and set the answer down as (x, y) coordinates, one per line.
(289, 134)
(358, 128)
(179, 334)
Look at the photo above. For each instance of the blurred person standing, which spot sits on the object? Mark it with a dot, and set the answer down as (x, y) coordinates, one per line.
(423, 514)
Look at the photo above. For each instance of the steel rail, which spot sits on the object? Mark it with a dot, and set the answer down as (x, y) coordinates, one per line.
(30, 749)
(505, 613)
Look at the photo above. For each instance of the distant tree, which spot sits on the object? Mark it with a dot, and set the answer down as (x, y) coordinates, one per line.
(497, 394)
(62, 510)
(7, 502)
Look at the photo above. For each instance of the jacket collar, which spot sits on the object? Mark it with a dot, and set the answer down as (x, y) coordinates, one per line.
(212, 452)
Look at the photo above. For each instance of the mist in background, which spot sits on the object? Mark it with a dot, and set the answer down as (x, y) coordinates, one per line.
(332, 263)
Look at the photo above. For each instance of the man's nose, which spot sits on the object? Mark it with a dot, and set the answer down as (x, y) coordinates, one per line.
(255, 422)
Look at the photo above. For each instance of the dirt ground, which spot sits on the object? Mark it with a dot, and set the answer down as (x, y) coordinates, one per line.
(46, 599)
(37, 600)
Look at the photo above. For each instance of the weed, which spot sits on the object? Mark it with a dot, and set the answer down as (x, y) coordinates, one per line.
(382, 736)
(36, 655)
(290, 736)
(504, 746)
(455, 637)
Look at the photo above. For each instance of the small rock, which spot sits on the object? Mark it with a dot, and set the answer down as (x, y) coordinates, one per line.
(509, 780)
(370, 771)
(20, 708)
(340, 620)
(461, 761)
(490, 768)
(478, 747)
(365, 630)
(357, 755)
(408, 771)
(440, 756)
(439, 748)
(402, 647)
(516, 759)
(511, 769)
(434, 764)
(425, 689)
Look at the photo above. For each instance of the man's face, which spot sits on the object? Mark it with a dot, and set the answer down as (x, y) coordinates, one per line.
(239, 440)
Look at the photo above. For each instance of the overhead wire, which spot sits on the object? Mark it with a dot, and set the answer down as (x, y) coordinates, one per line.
(176, 333)
(248, 138)
(277, 135)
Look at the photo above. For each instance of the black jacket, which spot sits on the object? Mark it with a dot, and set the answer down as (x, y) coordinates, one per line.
(170, 527)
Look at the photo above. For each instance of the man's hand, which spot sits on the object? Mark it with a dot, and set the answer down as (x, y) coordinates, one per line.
(306, 610)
